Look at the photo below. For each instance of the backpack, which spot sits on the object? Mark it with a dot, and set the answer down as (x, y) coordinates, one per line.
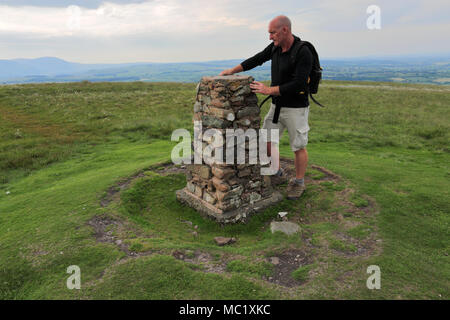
(315, 75)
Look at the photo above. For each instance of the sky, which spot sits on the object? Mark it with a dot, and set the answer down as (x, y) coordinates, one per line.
(119, 31)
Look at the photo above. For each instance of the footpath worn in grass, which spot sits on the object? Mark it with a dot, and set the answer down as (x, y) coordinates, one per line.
(66, 147)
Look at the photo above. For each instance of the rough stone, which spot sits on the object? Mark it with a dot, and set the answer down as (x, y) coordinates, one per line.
(251, 99)
(222, 241)
(191, 187)
(206, 100)
(217, 103)
(254, 184)
(243, 122)
(209, 198)
(244, 173)
(247, 111)
(254, 197)
(200, 170)
(198, 107)
(205, 172)
(220, 113)
(220, 185)
(213, 122)
(223, 173)
(245, 90)
(234, 193)
(229, 204)
(286, 227)
(275, 260)
(198, 191)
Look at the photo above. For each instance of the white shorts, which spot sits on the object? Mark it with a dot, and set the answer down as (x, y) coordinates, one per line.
(296, 122)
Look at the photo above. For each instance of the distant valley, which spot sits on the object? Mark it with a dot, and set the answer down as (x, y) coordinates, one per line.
(431, 70)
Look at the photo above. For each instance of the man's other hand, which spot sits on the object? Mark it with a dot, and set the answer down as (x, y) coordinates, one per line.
(258, 87)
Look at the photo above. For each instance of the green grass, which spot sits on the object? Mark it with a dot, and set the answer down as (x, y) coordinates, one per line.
(302, 273)
(362, 231)
(250, 268)
(62, 146)
(340, 245)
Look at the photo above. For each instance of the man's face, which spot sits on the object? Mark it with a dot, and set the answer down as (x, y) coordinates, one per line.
(275, 33)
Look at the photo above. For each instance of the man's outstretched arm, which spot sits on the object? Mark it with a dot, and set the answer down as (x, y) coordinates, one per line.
(250, 63)
(231, 71)
(257, 87)
(257, 60)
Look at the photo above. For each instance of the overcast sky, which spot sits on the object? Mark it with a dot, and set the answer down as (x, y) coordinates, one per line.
(116, 31)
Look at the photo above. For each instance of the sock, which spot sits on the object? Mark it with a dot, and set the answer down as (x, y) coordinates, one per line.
(300, 181)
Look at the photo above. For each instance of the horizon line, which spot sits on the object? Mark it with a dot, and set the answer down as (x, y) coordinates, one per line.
(374, 57)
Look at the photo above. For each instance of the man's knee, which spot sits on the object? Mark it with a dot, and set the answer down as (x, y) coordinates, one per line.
(301, 152)
(301, 149)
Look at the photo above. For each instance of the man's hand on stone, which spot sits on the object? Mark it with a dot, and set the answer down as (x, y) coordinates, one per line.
(227, 72)
(258, 87)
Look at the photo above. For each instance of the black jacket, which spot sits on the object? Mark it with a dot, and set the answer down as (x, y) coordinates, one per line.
(291, 76)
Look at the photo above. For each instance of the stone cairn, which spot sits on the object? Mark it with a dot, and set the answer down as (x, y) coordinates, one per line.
(228, 193)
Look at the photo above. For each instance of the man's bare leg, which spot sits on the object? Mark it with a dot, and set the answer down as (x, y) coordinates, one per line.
(301, 161)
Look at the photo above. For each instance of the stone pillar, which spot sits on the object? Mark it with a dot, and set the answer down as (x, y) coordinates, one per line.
(233, 188)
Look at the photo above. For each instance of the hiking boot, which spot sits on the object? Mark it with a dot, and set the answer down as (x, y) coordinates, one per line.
(295, 190)
(278, 178)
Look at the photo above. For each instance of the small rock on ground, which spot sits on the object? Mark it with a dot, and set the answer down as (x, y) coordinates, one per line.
(221, 241)
(275, 260)
(286, 227)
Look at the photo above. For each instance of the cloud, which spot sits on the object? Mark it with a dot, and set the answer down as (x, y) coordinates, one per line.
(63, 3)
(195, 30)
(113, 19)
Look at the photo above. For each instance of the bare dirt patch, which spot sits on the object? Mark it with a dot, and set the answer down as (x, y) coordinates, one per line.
(105, 230)
(165, 169)
(201, 258)
(118, 187)
(285, 263)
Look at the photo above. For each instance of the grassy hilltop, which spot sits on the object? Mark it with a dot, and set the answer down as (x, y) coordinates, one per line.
(84, 181)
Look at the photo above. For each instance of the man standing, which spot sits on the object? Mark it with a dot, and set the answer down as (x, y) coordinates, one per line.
(290, 105)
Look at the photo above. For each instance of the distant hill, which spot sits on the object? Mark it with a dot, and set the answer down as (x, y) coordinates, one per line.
(47, 66)
(50, 69)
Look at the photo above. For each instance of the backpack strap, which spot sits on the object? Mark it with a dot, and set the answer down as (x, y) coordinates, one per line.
(267, 98)
(297, 46)
(312, 49)
(316, 102)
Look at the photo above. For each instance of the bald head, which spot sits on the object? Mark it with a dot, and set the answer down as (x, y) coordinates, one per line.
(280, 32)
(281, 21)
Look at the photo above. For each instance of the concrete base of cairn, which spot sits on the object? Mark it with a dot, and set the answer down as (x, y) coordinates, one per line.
(238, 215)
